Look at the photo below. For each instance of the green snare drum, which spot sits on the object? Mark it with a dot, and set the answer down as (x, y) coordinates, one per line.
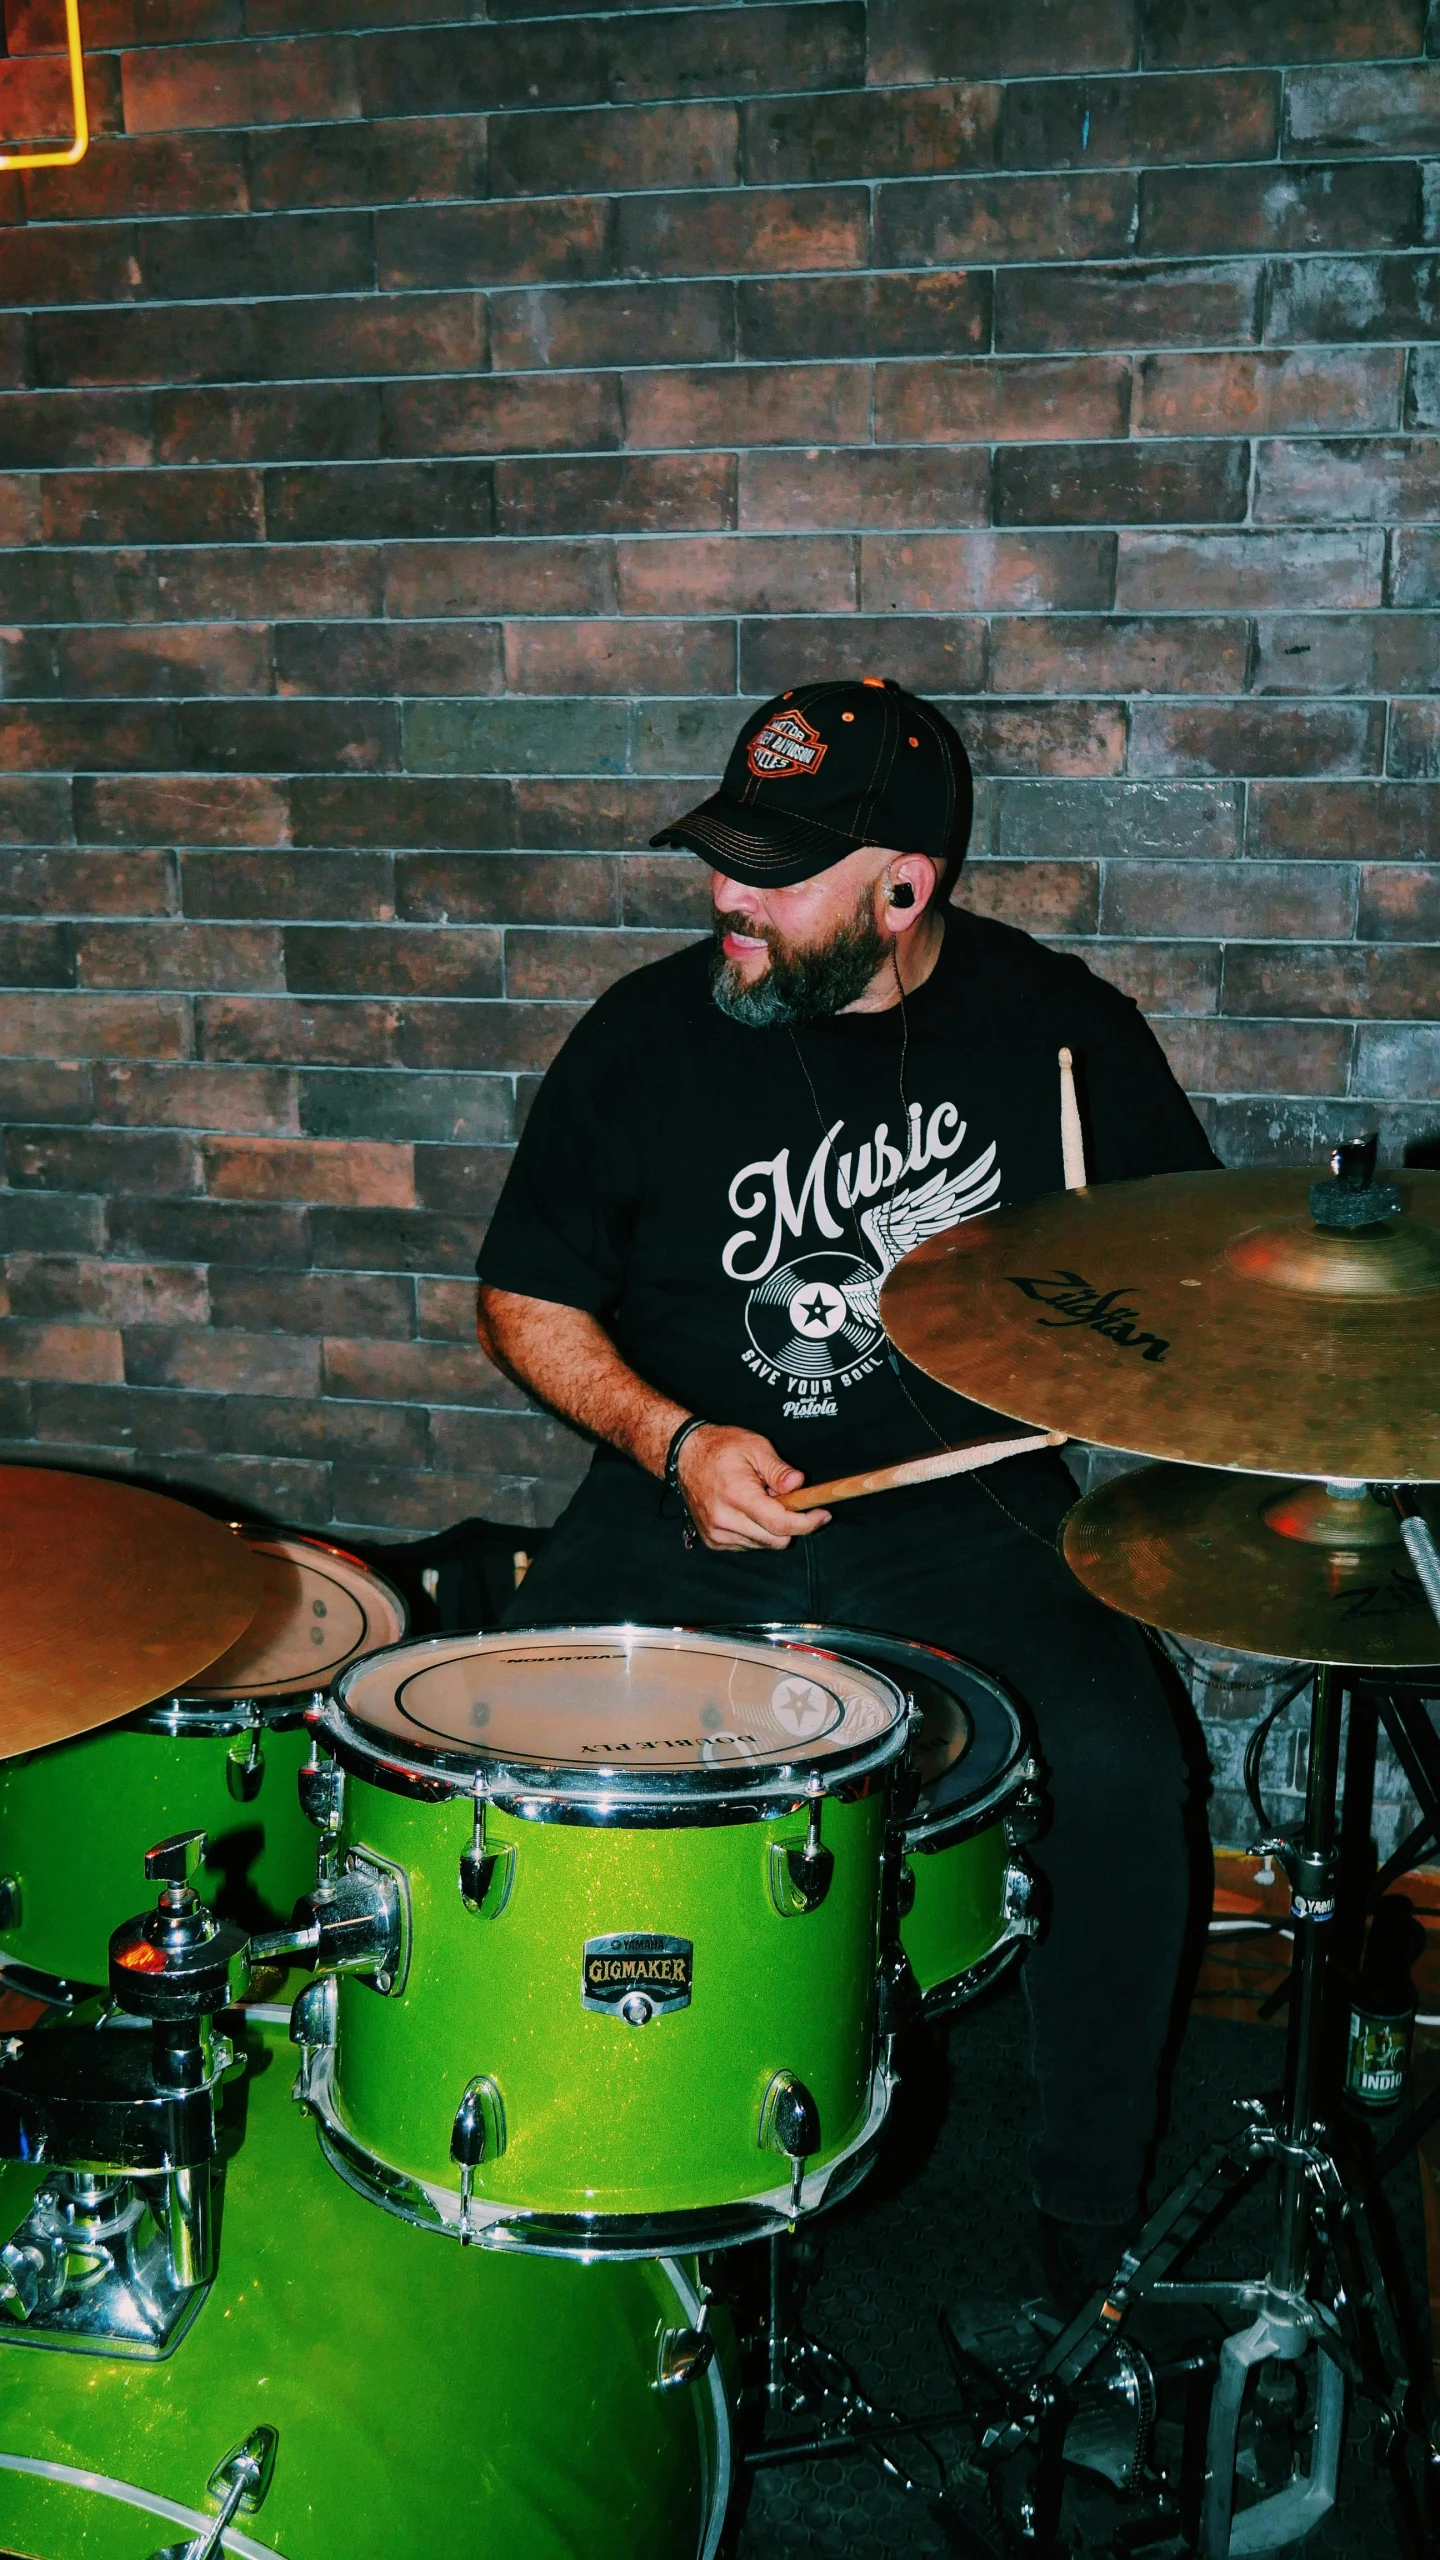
(223, 1758)
(634, 1879)
(442, 2401)
(967, 1899)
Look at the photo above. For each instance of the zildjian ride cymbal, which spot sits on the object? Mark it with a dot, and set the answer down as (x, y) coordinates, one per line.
(1286, 1569)
(108, 1597)
(1201, 1316)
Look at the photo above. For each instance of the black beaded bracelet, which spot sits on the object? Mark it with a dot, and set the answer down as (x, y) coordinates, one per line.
(678, 1438)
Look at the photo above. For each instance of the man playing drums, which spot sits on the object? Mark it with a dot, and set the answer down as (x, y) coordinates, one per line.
(727, 1157)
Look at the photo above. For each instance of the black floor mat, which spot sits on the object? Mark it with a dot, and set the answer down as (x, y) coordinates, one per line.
(945, 2215)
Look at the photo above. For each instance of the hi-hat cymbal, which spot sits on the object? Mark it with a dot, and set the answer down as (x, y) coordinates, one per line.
(108, 1596)
(1198, 1316)
(1288, 1569)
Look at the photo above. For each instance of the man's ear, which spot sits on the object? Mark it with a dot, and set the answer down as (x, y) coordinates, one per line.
(906, 890)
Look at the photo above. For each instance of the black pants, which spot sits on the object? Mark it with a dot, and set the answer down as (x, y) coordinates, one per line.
(948, 1565)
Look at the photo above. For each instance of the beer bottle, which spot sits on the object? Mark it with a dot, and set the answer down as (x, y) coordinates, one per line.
(1382, 2008)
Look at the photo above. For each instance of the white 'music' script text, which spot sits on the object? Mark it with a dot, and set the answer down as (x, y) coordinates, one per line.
(762, 1191)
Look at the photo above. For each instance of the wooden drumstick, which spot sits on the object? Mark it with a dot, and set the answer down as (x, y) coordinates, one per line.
(960, 1461)
(1072, 1136)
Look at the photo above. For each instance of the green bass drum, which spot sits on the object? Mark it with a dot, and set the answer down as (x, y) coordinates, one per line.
(635, 2002)
(426, 2398)
(223, 1758)
(966, 1900)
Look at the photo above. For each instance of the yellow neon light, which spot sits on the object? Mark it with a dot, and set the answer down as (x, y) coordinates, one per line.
(81, 144)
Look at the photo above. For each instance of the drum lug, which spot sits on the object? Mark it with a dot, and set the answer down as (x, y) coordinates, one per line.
(904, 1889)
(322, 1789)
(10, 1902)
(486, 1875)
(1025, 1813)
(800, 1876)
(238, 2486)
(477, 2135)
(685, 2354)
(790, 2124)
(313, 2019)
(897, 2000)
(245, 1767)
(1020, 1905)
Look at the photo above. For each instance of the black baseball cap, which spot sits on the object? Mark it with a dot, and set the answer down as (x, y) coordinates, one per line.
(825, 768)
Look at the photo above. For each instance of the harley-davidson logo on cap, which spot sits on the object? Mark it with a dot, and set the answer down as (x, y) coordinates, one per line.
(786, 745)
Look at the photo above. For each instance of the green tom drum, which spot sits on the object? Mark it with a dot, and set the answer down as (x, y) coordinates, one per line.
(223, 1757)
(635, 2003)
(442, 2401)
(967, 1901)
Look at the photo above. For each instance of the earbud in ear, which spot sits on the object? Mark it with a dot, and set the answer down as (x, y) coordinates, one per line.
(901, 894)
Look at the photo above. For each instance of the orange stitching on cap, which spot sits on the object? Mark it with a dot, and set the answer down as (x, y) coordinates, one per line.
(877, 681)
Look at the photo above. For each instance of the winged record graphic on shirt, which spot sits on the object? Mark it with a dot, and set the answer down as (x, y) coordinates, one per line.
(814, 1321)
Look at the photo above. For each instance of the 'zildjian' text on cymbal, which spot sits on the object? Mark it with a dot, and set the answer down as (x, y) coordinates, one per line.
(1288, 1569)
(108, 1597)
(1197, 1316)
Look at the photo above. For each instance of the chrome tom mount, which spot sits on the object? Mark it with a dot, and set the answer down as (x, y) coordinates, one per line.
(118, 2249)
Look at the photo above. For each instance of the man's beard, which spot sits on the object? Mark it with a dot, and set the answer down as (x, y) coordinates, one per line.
(804, 981)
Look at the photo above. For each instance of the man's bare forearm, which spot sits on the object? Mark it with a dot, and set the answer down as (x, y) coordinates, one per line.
(568, 1360)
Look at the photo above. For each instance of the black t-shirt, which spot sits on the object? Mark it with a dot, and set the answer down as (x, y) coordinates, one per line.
(727, 1201)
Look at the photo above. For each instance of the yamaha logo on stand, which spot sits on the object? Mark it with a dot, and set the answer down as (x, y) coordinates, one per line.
(637, 1976)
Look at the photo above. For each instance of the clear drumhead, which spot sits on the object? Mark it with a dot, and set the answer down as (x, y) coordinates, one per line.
(320, 1609)
(622, 1705)
(970, 1742)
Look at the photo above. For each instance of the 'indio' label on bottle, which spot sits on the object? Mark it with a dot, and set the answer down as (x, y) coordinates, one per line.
(1379, 2058)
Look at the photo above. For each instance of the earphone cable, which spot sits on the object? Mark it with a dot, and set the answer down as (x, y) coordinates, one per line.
(894, 1357)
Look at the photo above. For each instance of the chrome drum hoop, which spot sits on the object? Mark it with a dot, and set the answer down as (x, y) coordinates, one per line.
(947, 1998)
(607, 1797)
(925, 1833)
(593, 2236)
(203, 1719)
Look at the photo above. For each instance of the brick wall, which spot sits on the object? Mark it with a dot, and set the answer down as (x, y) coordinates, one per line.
(417, 439)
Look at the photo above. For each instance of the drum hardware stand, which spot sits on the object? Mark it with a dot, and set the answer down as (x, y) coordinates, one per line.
(803, 2377)
(115, 2256)
(1401, 1706)
(1349, 2331)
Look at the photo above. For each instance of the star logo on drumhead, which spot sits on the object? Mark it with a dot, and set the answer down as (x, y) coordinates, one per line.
(799, 1707)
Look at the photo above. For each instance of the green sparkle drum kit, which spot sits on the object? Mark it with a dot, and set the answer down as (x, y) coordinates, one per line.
(608, 1934)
